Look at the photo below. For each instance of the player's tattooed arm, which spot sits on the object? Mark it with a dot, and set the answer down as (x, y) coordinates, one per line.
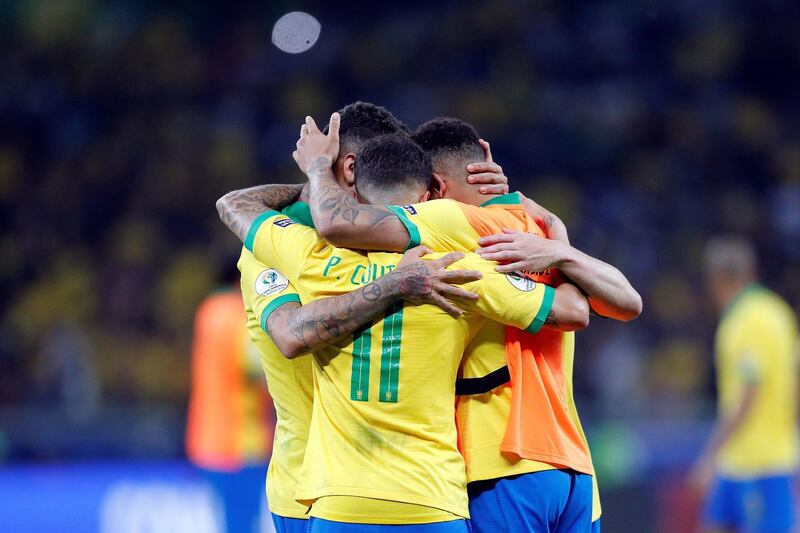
(238, 209)
(609, 291)
(570, 311)
(339, 217)
(299, 329)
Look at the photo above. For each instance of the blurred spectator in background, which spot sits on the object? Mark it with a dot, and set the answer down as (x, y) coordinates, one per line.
(753, 450)
(230, 426)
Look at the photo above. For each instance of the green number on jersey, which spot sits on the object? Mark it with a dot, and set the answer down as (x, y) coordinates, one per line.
(390, 358)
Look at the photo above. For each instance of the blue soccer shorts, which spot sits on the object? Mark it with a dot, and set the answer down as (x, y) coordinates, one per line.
(760, 505)
(552, 501)
(289, 525)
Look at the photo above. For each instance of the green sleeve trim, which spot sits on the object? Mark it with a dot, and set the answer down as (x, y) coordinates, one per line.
(544, 310)
(273, 305)
(413, 230)
(251, 234)
(300, 212)
(509, 198)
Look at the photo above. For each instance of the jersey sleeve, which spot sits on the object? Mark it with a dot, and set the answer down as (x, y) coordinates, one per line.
(264, 289)
(276, 240)
(749, 366)
(511, 299)
(447, 225)
(751, 348)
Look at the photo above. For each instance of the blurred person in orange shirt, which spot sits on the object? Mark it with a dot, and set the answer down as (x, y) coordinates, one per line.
(230, 422)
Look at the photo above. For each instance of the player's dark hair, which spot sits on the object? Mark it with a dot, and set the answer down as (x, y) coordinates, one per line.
(361, 121)
(446, 138)
(393, 160)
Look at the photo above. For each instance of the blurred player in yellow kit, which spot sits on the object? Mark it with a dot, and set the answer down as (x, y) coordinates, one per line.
(751, 458)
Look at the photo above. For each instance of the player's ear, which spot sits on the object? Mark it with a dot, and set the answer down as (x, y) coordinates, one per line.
(438, 187)
(349, 168)
(425, 196)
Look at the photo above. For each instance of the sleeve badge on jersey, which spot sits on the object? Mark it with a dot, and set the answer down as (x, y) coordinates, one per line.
(271, 282)
(282, 223)
(520, 281)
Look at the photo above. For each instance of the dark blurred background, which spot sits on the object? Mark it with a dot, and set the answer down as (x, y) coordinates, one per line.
(648, 126)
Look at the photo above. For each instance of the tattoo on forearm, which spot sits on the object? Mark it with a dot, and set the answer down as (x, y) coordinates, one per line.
(372, 292)
(238, 209)
(325, 321)
(551, 319)
(328, 199)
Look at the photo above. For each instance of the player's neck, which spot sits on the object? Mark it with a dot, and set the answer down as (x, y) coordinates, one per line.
(734, 291)
(470, 194)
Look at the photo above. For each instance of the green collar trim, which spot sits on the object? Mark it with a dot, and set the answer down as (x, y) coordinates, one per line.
(510, 198)
(746, 290)
(300, 212)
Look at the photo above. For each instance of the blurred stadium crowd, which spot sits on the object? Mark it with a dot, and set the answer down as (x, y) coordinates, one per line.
(647, 126)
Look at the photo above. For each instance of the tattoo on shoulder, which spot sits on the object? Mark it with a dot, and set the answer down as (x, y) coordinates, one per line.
(551, 319)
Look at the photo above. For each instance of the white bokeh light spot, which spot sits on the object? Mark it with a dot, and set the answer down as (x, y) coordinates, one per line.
(295, 32)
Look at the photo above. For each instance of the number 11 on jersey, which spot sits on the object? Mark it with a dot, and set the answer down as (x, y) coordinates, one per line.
(390, 358)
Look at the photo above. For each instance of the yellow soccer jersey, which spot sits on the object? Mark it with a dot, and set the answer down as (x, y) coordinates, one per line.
(383, 422)
(756, 341)
(445, 225)
(290, 383)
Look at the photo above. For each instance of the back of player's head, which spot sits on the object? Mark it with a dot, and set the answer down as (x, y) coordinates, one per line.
(392, 169)
(450, 142)
(730, 256)
(361, 121)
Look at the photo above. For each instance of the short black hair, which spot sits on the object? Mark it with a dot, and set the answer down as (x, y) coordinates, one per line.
(447, 137)
(361, 121)
(393, 160)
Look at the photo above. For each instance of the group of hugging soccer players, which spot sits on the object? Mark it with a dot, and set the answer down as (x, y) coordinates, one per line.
(416, 326)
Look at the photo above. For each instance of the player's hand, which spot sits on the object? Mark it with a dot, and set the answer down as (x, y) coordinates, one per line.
(428, 282)
(521, 251)
(551, 225)
(488, 173)
(314, 148)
